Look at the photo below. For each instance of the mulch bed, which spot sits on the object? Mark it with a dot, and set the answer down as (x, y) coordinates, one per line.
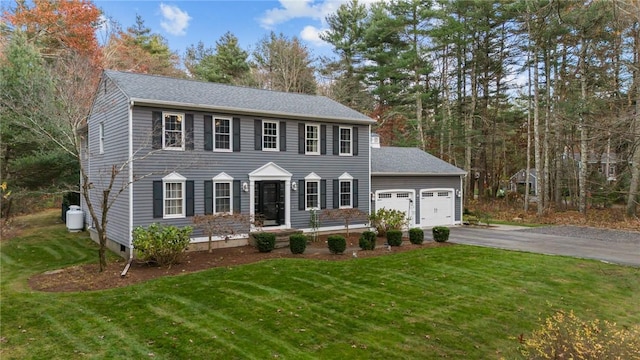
(87, 277)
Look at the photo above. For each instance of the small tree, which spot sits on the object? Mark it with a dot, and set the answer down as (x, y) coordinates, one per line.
(220, 224)
(347, 215)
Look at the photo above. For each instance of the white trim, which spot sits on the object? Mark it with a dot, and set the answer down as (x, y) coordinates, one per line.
(277, 135)
(345, 176)
(318, 140)
(337, 228)
(306, 194)
(182, 131)
(350, 153)
(130, 123)
(215, 210)
(312, 177)
(341, 180)
(271, 171)
(223, 176)
(213, 132)
(174, 178)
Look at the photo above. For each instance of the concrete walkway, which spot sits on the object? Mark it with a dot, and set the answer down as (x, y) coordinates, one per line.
(623, 250)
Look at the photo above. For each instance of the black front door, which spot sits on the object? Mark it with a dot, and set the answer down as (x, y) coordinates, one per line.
(270, 202)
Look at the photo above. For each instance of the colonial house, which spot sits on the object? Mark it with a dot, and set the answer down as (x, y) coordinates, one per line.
(191, 147)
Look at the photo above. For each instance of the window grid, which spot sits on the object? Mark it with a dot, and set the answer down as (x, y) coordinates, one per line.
(222, 195)
(345, 194)
(173, 131)
(312, 139)
(222, 130)
(312, 194)
(345, 141)
(173, 199)
(270, 135)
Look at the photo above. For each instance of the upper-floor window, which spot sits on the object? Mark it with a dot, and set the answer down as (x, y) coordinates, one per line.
(173, 130)
(312, 139)
(345, 141)
(270, 135)
(222, 134)
(101, 138)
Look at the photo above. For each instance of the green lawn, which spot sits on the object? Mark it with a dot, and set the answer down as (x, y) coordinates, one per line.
(459, 302)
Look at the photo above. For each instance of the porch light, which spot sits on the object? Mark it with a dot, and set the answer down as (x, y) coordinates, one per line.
(245, 187)
(458, 193)
(294, 186)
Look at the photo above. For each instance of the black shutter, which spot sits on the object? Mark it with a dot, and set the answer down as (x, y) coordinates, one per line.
(301, 190)
(336, 140)
(301, 137)
(236, 196)
(190, 210)
(354, 135)
(323, 194)
(208, 197)
(156, 130)
(158, 199)
(188, 127)
(283, 136)
(336, 194)
(208, 132)
(236, 134)
(323, 139)
(354, 190)
(257, 133)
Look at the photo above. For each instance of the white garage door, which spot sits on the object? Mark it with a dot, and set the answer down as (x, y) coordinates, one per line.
(401, 200)
(436, 207)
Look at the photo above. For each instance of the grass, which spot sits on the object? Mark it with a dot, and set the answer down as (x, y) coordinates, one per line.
(460, 302)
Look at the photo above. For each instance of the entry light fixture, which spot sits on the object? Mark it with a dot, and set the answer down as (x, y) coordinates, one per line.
(458, 193)
(245, 187)
(294, 186)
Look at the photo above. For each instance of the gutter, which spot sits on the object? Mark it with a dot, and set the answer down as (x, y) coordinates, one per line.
(415, 174)
(126, 268)
(243, 111)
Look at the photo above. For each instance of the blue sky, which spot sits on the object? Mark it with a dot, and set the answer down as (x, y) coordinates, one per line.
(184, 23)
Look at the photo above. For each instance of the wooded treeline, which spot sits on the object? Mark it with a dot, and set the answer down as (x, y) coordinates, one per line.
(491, 86)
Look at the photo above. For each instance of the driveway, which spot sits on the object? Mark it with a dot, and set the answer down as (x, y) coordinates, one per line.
(613, 246)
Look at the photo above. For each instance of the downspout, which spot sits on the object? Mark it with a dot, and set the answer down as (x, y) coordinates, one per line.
(130, 180)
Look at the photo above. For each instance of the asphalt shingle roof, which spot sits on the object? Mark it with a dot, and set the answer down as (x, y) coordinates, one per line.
(389, 160)
(152, 89)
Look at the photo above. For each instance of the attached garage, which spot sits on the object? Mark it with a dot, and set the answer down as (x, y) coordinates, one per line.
(428, 189)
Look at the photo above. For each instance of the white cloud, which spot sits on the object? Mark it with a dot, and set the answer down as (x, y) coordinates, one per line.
(293, 9)
(312, 35)
(175, 21)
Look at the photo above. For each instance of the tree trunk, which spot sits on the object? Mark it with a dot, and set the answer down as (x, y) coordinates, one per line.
(582, 127)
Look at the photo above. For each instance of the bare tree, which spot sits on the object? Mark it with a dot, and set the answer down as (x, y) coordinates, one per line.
(221, 225)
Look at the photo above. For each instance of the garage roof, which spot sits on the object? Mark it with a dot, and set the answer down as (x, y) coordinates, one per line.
(404, 161)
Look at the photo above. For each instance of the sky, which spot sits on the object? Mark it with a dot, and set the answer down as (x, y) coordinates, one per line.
(185, 23)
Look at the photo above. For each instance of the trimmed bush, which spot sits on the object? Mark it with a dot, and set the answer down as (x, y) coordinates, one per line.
(440, 233)
(161, 245)
(297, 243)
(337, 244)
(265, 242)
(367, 240)
(416, 236)
(394, 237)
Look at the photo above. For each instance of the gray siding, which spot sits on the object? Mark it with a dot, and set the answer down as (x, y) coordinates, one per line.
(200, 165)
(418, 183)
(110, 108)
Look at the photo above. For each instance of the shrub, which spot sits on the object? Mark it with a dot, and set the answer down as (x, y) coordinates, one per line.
(384, 220)
(337, 244)
(394, 237)
(367, 240)
(416, 236)
(565, 336)
(440, 233)
(297, 243)
(161, 245)
(265, 242)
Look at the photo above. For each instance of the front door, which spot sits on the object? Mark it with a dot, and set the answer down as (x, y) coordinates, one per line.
(270, 202)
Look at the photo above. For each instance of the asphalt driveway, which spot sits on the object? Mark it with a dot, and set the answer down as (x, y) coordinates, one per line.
(613, 246)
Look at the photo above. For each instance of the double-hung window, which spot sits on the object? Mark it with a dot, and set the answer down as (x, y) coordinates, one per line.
(174, 197)
(312, 194)
(222, 197)
(101, 138)
(345, 193)
(312, 139)
(345, 140)
(222, 134)
(173, 130)
(270, 135)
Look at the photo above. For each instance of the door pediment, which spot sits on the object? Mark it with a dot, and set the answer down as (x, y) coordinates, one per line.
(270, 171)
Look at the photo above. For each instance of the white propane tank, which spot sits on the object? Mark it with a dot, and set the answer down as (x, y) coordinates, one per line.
(75, 218)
